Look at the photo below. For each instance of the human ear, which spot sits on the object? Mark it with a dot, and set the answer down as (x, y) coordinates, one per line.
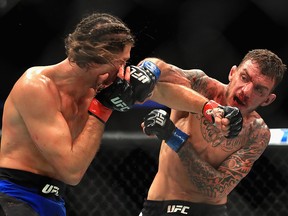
(269, 100)
(232, 72)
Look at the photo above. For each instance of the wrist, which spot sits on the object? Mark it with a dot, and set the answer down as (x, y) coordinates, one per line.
(207, 110)
(177, 139)
(98, 110)
(151, 68)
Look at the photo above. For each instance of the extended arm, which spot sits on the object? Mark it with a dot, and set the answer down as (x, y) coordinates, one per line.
(178, 97)
(174, 88)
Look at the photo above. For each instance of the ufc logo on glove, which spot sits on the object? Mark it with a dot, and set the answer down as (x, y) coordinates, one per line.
(138, 75)
(160, 119)
(120, 104)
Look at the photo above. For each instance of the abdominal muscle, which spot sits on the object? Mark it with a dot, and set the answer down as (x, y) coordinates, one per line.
(25, 157)
(172, 183)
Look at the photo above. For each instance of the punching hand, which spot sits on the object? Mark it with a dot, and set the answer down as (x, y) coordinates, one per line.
(212, 109)
(143, 79)
(117, 96)
(235, 118)
(158, 123)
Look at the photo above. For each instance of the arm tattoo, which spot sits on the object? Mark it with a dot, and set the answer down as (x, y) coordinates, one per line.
(220, 181)
(206, 178)
(196, 79)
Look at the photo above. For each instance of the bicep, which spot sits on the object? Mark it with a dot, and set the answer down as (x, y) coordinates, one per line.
(48, 132)
(42, 118)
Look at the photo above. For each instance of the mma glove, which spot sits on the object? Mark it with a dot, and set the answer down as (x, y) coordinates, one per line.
(117, 96)
(232, 113)
(143, 79)
(158, 123)
(121, 95)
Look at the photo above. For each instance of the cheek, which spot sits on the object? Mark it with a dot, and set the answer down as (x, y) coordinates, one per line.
(256, 101)
(103, 78)
(235, 87)
(111, 70)
(230, 89)
(111, 76)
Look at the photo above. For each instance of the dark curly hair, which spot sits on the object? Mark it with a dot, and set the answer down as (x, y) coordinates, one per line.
(270, 64)
(97, 39)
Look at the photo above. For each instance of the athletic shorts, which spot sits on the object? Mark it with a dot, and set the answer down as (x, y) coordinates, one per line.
(22, 191)
(181, 208)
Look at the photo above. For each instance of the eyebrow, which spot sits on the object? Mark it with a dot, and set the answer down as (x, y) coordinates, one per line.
(257, 85)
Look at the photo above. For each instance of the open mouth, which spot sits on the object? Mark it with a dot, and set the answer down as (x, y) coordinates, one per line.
(238, 101)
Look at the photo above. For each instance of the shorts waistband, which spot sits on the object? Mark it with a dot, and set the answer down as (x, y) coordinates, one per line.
(44, 185)
(173, 206)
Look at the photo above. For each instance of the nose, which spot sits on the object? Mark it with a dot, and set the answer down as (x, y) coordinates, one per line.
(246, 91)
(247, 88)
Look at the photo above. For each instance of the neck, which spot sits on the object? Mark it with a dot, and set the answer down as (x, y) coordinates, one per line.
(72, 79)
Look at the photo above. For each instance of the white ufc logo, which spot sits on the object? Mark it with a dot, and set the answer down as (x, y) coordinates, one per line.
(160, 119)
(50, 189)
(139, 76)
(119, 103)
(177, 208)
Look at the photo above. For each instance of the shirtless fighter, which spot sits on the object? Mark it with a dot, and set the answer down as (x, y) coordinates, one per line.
(53, 122)
(199, 165)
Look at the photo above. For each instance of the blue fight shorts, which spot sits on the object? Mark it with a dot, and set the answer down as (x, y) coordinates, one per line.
(41, 193)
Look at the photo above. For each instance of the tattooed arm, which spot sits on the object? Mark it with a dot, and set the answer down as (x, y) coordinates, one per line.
(219, 182)
(174, 82)
(173, 74)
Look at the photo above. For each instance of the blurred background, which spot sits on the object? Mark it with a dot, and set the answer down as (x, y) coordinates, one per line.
(212, 35)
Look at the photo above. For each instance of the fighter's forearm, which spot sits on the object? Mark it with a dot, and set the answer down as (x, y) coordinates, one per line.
(81, 152)
(209, 181)
(178, 97)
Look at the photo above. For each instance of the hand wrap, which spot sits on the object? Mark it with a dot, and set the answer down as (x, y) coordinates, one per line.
(232, 113)
(99, 110)
(158, 123)
(117, 96)
(143, 79)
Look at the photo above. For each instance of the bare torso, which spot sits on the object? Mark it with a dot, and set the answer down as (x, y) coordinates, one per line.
(216, 163)
(18, 149)
(46, 128)
(171, 181)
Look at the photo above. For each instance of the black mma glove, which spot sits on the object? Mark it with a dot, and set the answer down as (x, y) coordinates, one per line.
(143, 79)
(232, 113)
(158, 123)
(117, 96)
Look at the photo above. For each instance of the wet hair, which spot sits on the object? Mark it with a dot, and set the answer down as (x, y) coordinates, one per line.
(97, 38)
(269, 63)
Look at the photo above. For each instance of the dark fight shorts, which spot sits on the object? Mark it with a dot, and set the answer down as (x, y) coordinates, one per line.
(24, 193)
(181, 208)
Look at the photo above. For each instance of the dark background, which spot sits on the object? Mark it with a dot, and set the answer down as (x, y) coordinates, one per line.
(212, 35)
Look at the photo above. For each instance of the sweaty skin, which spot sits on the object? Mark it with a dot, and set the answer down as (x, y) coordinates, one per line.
(209, 166)
(46, 128)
